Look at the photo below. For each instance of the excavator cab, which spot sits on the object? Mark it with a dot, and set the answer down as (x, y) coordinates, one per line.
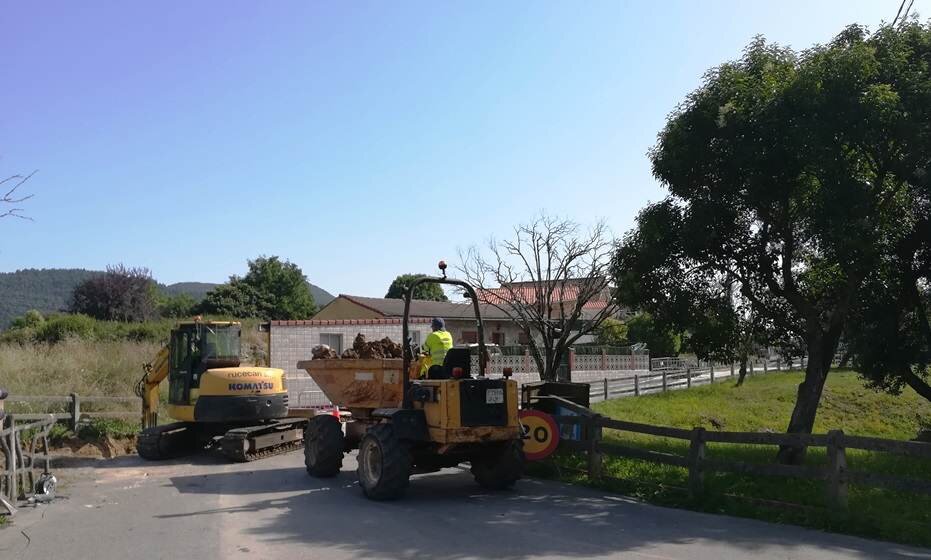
(195, 348)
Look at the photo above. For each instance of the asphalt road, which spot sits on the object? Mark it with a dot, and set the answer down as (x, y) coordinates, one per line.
(205, 509)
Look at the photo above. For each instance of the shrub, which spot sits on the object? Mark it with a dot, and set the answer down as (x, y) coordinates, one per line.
(60, 327)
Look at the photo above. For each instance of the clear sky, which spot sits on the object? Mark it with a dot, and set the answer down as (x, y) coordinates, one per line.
(357, 139)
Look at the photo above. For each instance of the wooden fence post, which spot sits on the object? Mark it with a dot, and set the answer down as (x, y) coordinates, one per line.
(636, 384)
(712, 372)
(695, 458)
(688, 377)
(664, 381)
(803, 362)
(594, 455)
(732, 369)
(75, 411)
(766, 365)
(751, 367)
(606, 388)
(837, 471)
(778, 365)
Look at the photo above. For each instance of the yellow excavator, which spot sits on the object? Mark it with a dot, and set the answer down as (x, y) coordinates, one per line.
(217, 403)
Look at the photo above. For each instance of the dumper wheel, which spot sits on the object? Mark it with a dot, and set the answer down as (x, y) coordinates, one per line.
(500, 469)
(384, 463)
(323, 446)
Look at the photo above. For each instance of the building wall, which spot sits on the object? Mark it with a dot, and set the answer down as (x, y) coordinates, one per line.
(341, 308)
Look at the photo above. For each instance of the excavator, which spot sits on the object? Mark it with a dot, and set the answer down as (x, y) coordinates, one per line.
(242, 411)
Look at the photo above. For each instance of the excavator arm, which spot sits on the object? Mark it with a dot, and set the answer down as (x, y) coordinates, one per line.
(147, 388)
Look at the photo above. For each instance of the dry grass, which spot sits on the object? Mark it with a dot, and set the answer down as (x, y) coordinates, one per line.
(74, 366)
(88, 368)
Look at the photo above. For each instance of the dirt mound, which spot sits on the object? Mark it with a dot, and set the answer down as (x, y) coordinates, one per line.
(377, 349)
(106, 448)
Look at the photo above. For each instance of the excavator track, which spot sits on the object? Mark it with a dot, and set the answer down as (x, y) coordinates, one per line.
(167, 441)
(258, 442)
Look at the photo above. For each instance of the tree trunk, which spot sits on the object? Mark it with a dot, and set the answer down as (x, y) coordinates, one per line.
(917, 383)
(743, 370)
(807, 400)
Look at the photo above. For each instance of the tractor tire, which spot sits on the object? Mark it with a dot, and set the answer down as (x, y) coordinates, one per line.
(323, 446)
(502, 469)
(384, 464)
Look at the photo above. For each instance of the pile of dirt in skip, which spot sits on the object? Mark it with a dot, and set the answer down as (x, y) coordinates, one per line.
(384, 348)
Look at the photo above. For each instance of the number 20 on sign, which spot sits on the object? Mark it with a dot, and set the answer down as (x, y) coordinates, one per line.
(541, 434)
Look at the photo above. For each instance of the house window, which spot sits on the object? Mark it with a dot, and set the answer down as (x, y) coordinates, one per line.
(497, 338)
(469, 337)
(333, 340)
(522, 338)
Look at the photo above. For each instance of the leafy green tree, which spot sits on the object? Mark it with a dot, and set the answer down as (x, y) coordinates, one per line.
(791, 178)
(272, 289)
(120, 294)
(178, 306)
(660, 340)
(431, 292)
(611, 333)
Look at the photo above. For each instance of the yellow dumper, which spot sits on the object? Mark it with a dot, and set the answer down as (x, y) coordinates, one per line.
(403, 425)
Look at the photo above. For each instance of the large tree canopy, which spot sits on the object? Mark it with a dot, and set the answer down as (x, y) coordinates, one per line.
(792, 178)
(431, 292)
(120, 294)
(272, 289)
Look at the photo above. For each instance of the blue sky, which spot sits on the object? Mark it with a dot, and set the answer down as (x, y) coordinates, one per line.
(357, 139)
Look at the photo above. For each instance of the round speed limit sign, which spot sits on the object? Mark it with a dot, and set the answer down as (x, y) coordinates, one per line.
(541, 434)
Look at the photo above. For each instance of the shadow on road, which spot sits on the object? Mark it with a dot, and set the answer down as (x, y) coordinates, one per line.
(445, 515)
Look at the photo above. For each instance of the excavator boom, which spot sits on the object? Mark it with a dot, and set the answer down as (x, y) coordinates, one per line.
(147, 388)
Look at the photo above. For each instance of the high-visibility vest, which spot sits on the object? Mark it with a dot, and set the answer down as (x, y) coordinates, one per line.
(436, 345)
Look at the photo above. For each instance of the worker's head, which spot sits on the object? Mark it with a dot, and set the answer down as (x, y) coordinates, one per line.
(437, 324)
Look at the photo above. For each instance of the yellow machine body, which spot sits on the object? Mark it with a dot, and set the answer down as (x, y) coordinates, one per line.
(443, 412)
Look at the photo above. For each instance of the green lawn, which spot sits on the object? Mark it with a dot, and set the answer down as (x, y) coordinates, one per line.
(764, 403)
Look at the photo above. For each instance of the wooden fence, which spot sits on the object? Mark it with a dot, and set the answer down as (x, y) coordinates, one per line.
(835, 473)
(75, 415)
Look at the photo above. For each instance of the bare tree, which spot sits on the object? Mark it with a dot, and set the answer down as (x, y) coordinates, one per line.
(551, 279)
(11, 198)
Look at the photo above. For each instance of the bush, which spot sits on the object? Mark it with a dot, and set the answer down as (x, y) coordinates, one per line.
(61, 327)
(99, 428)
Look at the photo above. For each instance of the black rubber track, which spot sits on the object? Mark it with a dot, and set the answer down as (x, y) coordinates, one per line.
(166, 441)
(323, 446)
(395, 464)
(501, 470)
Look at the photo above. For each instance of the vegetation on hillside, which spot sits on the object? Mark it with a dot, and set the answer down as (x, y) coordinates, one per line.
(49, 291)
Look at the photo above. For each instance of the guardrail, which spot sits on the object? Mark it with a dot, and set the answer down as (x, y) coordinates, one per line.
(677, 376)
(835, 473)
(75, 415)
(20, 465)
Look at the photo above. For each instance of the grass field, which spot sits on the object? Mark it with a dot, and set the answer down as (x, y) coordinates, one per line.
(764, 403)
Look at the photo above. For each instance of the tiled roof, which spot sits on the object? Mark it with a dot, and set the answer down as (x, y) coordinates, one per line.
(389, 307)
(528, 293)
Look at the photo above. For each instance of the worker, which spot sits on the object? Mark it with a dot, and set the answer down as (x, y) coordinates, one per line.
(436, 345)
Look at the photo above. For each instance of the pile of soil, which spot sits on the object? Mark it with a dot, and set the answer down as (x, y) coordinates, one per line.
(107, 447)
(377, 349)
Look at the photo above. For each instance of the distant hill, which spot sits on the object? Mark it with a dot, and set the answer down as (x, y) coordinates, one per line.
(49, 290)
(196, 290)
